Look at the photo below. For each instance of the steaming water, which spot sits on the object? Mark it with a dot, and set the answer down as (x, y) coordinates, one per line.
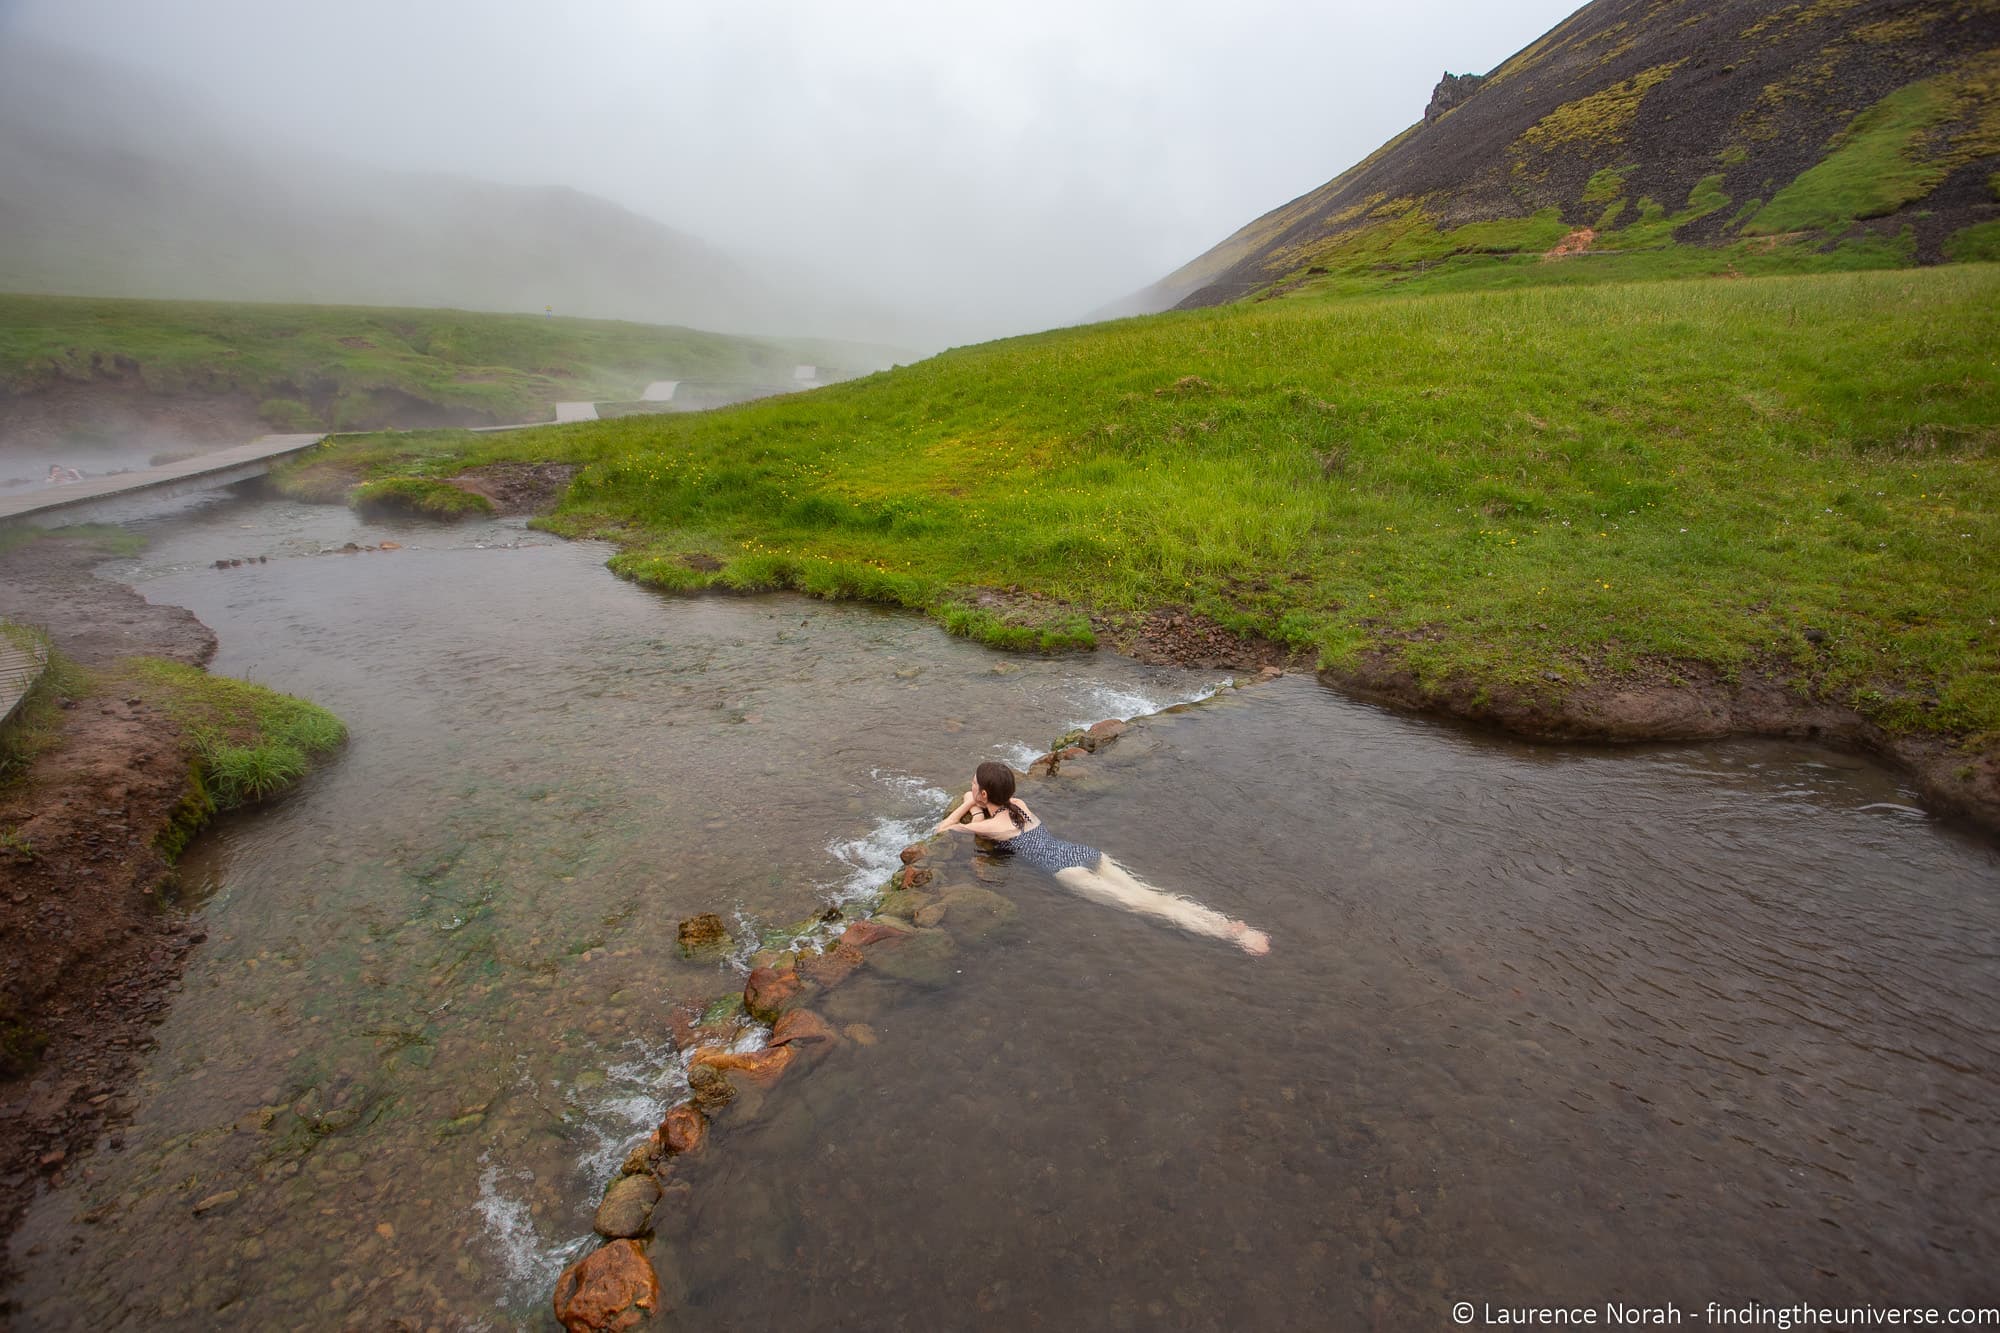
(1540, 1025)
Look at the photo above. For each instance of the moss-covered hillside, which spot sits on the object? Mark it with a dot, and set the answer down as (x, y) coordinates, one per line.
(1663, 138)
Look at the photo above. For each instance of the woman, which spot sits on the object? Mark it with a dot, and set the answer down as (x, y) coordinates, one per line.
(1086, 870)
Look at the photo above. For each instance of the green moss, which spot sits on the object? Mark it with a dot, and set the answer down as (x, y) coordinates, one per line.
(1979, 243)
(1603, 118)
(417, 495)
(1892, 154)
(1733, 156)
(1605, 184)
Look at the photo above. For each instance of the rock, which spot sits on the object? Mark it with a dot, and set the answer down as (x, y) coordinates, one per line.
(710, 1088)
(608, 1290)
(627, 1207)
(703, 932)
(1451, 91)
(915, 877)
(871, 931)
(904, 903)
(829, 969)
(386, 546)
(860, 1034)
(769, 992)
(1100, 733)
(803, 1027)
(976, 913)
(762, 1067)
(684, 1130)
(1270, 673)
(929, 916)
(921, 957)
(217, 1201)
(640, 1160)
(914, 853)
(775, 959)
(1071, 752)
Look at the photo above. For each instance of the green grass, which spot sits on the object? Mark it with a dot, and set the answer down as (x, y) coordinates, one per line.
(249, 742)
(36, 724)
(1587, 481)
(342, 367)
(417, 495)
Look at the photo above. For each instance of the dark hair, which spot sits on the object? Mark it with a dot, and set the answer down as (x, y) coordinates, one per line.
(998, 781)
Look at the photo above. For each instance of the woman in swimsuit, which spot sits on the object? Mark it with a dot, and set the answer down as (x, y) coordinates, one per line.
(1009, 822)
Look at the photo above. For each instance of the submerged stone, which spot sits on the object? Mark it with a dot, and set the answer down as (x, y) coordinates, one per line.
(904, 903)
(923, 957)
(769, 992)
(914, 877)
(803, 1027)
(703, 932)
(684, 1130)
(975, 913)
(871, 931)
(608, 1290)
(627, 1207)
(829, 969)
(929, 915)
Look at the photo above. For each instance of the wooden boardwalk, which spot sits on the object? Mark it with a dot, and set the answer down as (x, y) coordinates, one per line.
(20, 668)
(56, 505)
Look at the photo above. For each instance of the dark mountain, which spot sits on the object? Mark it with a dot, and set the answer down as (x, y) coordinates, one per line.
(1643, 126)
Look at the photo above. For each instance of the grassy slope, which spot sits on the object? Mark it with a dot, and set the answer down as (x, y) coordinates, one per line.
(327, 365)
(1579, 480)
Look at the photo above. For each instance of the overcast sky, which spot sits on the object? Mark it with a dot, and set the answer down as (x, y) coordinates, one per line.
(1011, 165)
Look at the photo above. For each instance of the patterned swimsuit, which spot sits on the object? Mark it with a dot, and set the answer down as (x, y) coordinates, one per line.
(1043, 852)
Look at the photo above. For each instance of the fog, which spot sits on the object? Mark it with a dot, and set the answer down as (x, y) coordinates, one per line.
(956, 172)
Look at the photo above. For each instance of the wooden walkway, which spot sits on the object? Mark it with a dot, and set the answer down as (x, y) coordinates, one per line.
(56, 505)
(20, 668)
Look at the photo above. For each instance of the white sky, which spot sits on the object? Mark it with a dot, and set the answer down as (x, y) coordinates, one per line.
(1010, 165)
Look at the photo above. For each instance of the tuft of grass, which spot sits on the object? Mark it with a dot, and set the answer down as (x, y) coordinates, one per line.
(417, 495)
(249, 742)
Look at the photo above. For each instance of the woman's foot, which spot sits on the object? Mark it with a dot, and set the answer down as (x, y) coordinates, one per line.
(1248, 940)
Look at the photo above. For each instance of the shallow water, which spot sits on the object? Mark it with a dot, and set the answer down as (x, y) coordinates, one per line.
(433, 1004)
(1539, 1025)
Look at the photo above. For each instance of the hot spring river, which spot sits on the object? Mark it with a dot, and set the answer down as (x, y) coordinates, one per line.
(1540, 1026)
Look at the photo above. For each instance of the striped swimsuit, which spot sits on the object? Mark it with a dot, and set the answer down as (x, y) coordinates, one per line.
(1043, 852)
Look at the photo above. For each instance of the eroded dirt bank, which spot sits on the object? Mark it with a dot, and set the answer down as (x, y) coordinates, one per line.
(1688, 702)
(90, 953)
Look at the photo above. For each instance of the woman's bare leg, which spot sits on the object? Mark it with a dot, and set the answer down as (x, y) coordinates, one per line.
(1112, 883)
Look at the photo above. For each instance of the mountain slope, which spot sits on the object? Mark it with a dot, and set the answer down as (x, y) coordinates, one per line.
(122, 186)
(1843, 131)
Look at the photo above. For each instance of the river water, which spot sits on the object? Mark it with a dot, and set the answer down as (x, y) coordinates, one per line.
(1539, 1024)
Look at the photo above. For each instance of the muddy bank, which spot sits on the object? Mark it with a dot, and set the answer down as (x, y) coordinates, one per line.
(1662, 702)
(92, 952)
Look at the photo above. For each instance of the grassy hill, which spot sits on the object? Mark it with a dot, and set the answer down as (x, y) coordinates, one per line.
(1654, 138)
(350, 367)
(1524, 493)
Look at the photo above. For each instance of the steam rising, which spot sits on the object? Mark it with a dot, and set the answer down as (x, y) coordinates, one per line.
(897, 171)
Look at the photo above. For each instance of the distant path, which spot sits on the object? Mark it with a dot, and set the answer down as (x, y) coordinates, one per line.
(575, 412)
(63, 504)
(660, 391)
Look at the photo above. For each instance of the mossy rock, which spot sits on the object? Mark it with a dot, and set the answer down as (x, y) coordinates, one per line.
(904, 903)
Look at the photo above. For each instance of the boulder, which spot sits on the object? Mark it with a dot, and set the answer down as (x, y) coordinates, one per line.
(608, 1290)
(1100, 734)
(829, 969)
(904, 903)
(871, 931)
(710, 1088)
(803, 1027)
(975, 913)
(761, 1067)
(684, 1130)
(770, 992)
(703, 932)
(922, 957)
(627, 1207)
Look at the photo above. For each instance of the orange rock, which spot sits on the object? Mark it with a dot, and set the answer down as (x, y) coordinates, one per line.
(1110, 729)
(608, 1290)
(914, 853)
(915, 877)
(831, 968)
(684, 1130)
(863, 933)
(770, 992)
(758, 1066)
(805, 1027)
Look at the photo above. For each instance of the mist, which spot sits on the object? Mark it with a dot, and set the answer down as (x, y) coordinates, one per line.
(884, 170)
